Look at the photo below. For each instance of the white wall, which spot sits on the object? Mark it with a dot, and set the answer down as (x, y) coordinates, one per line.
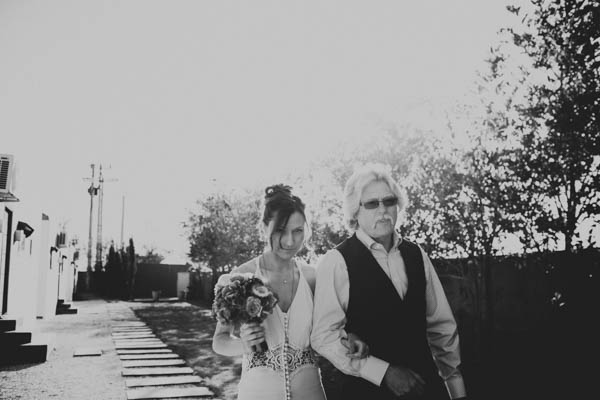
(43, 268)
(52, 286)
(183, 281)
(22, 285)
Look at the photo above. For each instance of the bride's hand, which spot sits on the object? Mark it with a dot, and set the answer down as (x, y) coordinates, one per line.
(356, 347)
(251, 334)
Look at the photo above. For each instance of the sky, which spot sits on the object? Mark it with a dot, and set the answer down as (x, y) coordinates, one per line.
(176, 99)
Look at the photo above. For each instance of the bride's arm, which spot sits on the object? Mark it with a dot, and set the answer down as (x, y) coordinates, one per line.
(225, 343)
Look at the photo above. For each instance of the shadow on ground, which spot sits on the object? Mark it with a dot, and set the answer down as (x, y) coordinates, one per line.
(188, 330)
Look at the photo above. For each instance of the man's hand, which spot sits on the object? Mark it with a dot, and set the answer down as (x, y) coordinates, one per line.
(403, 381)
(356, 347)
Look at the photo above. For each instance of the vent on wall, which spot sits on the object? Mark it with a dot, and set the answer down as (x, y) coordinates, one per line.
(6, 173)
(7, 178)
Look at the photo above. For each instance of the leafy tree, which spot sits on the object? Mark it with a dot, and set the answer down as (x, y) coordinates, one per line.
(223, 232)
(323, 201)
(559, 160)
(473, 183)
(458, 198)
(152, 256)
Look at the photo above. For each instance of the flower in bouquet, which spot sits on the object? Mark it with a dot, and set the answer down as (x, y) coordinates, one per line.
(241, 298)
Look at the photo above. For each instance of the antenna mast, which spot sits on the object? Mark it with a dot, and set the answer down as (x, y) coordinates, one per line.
(99, 232)
(101, 181)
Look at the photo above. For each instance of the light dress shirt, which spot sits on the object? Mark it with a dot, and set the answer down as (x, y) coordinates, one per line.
(331, 302)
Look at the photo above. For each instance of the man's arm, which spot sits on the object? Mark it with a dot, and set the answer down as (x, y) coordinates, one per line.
(329, 320)
(442, 332)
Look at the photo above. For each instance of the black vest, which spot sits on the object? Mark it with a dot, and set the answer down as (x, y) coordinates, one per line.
(394, 328)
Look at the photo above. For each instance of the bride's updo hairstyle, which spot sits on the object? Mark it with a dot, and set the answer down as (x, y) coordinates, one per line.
(279, 205)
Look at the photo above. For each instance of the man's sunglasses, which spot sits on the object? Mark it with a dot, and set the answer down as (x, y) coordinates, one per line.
(373, 204)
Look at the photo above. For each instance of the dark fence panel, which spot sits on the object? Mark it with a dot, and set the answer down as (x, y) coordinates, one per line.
(526, 322)
(163, 277)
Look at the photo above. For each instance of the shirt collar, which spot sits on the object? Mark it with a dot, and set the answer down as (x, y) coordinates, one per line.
(370, 243)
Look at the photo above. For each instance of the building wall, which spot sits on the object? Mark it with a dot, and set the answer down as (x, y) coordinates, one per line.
(44, 273)
(33, 286)
(23, 282)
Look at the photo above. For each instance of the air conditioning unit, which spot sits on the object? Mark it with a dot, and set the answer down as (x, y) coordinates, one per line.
(7, 174)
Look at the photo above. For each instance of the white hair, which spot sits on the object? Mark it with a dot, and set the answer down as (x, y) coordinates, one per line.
(362, 176)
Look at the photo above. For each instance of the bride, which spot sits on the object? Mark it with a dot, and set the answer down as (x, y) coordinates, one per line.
(288, 368)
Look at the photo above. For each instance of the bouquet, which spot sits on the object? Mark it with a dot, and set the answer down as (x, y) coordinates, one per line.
(241, 298)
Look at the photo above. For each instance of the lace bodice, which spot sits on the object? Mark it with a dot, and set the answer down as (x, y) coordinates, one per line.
(289, 358)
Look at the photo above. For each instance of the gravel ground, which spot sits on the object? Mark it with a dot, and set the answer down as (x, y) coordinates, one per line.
(63, 376)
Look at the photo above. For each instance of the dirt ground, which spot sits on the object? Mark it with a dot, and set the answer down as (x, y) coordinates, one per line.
(64, 376)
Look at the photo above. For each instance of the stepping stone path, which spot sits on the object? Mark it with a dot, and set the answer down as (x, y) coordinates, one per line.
(152, 370)
(85, 352)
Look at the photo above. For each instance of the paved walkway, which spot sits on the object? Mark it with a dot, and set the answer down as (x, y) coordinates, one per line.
(75, 371)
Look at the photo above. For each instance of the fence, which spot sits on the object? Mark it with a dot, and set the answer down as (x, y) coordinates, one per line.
(153, 277)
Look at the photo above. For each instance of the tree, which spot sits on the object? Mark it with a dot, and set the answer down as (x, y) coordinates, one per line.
(223, 232)
(112, 271)
(130, 269)
(472, 182)
(152, 256)
(558, 163)
(404, 148)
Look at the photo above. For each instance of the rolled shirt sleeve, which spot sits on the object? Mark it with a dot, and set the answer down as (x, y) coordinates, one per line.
(442, 332)
(329, 320)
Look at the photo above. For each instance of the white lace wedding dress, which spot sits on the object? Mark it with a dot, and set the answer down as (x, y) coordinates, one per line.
(288, 370)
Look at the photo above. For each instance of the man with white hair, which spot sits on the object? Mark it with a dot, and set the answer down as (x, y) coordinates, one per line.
(384, 289)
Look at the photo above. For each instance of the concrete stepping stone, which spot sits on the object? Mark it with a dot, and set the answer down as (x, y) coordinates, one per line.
(147, 356)
(86, 351)
(157, 371)
(163, 381)
(136, 326)
(147, 340)
(133, 336)
(130, 323)
(153, 363)
(131, 330)
(144, 351)
(130, 327)
(167, 393)
(118, 344)
(124, 346)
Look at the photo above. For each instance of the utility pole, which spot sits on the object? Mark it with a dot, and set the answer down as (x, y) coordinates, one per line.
(93, 191)
(101, 181)
(99, 227)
